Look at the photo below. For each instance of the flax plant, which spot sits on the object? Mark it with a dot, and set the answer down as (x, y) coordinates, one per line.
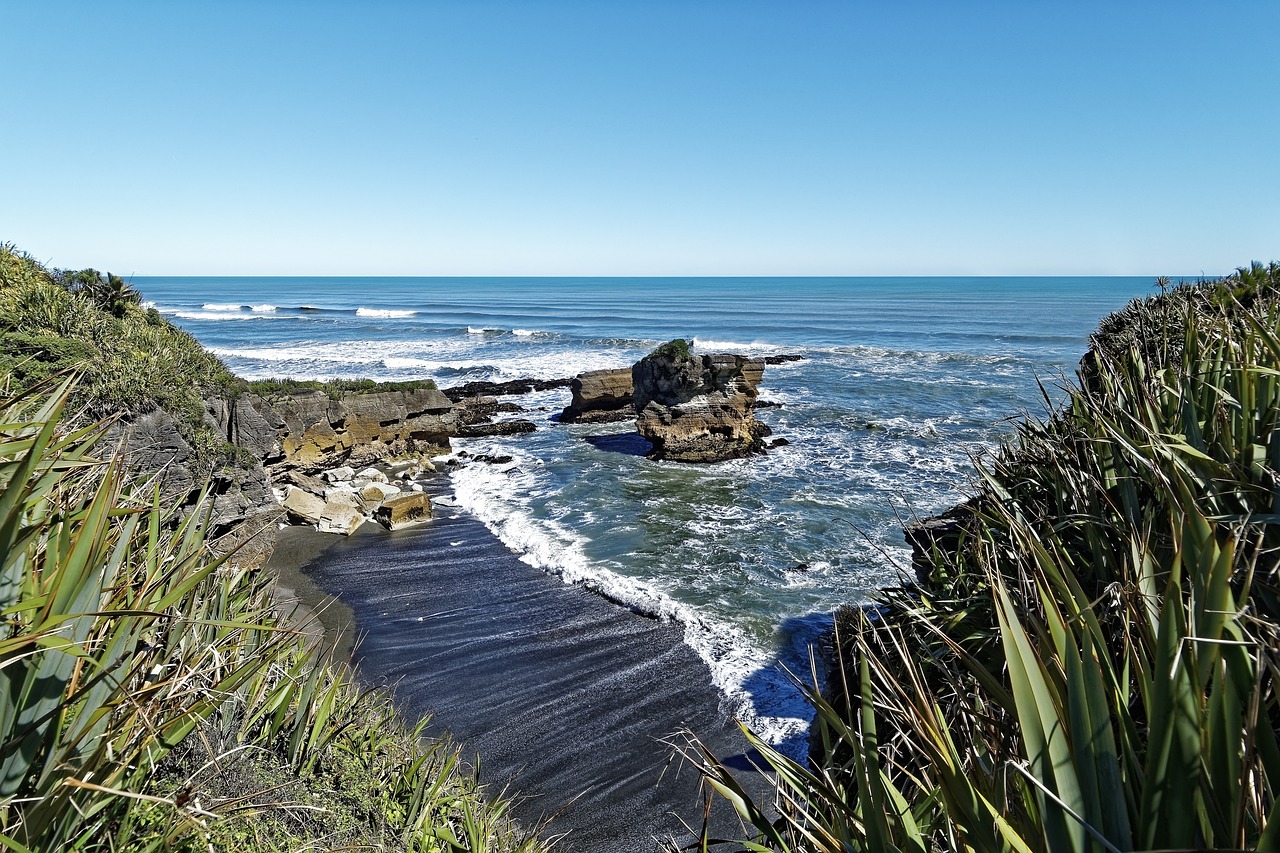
(1091, 664)
(127, 642)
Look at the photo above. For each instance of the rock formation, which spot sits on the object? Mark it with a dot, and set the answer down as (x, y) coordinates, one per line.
(153, 446)
(316, 431)
(600, 396)
(404, 510)
(697, 408)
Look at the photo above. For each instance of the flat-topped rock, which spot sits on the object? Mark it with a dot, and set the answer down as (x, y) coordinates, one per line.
(698, 408)
(404, 510)
(600, 396)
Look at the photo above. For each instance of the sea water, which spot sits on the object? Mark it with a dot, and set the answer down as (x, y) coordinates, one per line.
(903, 382)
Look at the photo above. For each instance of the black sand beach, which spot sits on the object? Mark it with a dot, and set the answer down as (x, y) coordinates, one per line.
(560, 694)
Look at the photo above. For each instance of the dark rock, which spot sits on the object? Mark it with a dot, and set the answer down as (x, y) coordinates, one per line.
(491, 460)
(778, 442)
(154, 449)
(943, 533)
(492, 389)
(767, 404)
(500, 428)
(782, 359)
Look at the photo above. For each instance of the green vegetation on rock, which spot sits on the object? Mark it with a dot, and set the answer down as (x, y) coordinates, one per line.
(334, 388)
(151, 698)
(673, 350)
(1089, 659)
(131, 359)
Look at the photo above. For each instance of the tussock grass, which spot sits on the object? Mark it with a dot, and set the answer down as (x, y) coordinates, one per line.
(1093, 666)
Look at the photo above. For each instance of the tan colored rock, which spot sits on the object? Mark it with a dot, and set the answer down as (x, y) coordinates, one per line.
(697, 408)
(404, 510)
(303, 506)
(317, 432)
(376, 493)
(340, 517)
(600, 396)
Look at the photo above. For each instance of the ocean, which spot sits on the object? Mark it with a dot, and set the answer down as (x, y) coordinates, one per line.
(903, 382)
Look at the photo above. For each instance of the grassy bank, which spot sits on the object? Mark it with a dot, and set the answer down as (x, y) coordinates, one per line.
(150, 697)
(1088, 659)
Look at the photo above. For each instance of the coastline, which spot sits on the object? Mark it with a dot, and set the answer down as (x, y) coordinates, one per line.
(316, 613)
(558, 694)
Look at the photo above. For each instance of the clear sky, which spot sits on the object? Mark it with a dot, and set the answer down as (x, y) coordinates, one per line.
(642, 138)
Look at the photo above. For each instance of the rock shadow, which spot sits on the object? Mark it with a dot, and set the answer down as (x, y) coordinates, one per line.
(772, 688)
(629, 443)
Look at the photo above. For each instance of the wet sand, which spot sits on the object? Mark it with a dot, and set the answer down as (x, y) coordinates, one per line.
(563, 696)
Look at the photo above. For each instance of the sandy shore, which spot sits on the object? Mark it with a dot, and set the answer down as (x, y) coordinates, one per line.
(315, 611)
(561, 695)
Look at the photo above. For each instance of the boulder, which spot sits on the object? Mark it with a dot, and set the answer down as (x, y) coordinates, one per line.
(697, 408)
(314, 485)
(372, 475)
(340, 517)
(600, 396)
(302, 506)
(404, 510)
(376, 493)
(340, 474)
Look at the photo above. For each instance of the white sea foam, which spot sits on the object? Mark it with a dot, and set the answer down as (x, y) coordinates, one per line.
(483, 330)
(526, 333)
(263, 309)
(226, 315)
(221, 306)
(768, 703)
(385, 313)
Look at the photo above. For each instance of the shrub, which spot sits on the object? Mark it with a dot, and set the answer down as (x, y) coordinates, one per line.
(150, 699)
(1092, 666)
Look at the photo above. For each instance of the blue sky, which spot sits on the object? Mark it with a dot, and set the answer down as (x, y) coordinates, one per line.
(642, 138)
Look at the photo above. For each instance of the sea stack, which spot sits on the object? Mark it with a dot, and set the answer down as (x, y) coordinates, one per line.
(697, 408)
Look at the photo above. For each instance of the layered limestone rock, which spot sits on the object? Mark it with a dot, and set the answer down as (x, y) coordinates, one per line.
(600, 396)
(316, 431)
(697, 408)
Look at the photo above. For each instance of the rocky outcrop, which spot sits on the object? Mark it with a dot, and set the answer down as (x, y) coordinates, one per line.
(939, 534)
(697, 408)
(515, 386)
(152, 444)
(315, 431)
(600, 396)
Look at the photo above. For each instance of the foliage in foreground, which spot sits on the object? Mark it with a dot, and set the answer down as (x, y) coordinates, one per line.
(1091, 663)
(150, 699)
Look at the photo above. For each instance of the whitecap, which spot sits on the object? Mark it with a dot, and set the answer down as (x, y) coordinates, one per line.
(263, 309)
(225, 315)
(385, 313)
(472, 330)
(771, 706)
(221, 306)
